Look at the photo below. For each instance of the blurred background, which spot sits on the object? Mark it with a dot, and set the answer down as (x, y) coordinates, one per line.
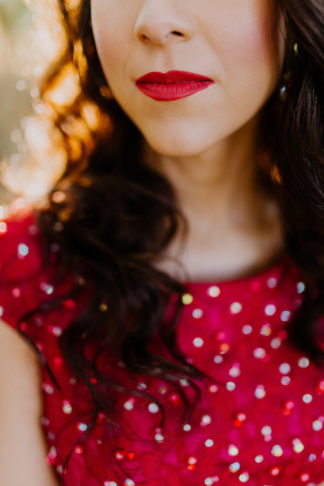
(30, 39)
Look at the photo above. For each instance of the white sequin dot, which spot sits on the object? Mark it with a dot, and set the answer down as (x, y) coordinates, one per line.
(1, 311)
(260, 392)
(284, 368)
(244, 477)
(307, 398)
(247, 329)
(67, 407)
(198, 342)
(277, 450)
(258, 459)
(197, 313)
(285, 380)
(272, 282)
(129, 482)
(153, 408)
(235, 371)
(159, 437)
(233, 450)
(234, 467)
(211, 481)
(275, 343)
(213, 291)
(285, 315)
(298, 446)
(230, 386)
(270, 309)
(23, 250)
(187, 427)
(205, 420)
(218, 359)
(110, 483)
(303, 362)
(235, 307)
(300, 287)
(266, 430)
(259, 353)
(209, 443)
(129, 405)
(317, 425)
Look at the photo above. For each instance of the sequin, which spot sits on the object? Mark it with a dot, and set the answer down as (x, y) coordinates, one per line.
(23, 250)
(235, 307)
(244, 477)
(209, 443)
(110, 483)
(129, 482)
(198, 342)
(272, 282)
(234, 467)
(259, 458)
(197, 313)
(307, 398)
(285, 380)
(82, 427)
(213, 291)
(153, 408)
(247, 329)
(275, 343)
(233, 450)
(211, 480)
(260, 392)
(265, 330)
(285, 316)
(270, 310)
(235, 371)
(47, 288)
(266, 430)
(1, 311)
(298, 446)
(259, 353)
(285, 368)
(129, 404)
(218, 359)
(303, 362)
(187, 427)
(3, 227)
(187, 299)
(301, 287)
(230, 386)
(317, 425)
(205, 420)
(276, 450)
(67, 407)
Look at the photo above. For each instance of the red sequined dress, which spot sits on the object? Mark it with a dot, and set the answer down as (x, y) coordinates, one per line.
(260, 417)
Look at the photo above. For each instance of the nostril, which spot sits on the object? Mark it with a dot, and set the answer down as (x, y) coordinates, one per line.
(176, 32)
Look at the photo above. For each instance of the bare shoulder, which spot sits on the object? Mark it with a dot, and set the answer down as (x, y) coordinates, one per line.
(22, 440)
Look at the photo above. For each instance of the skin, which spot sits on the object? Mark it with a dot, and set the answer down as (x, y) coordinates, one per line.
(205, 144)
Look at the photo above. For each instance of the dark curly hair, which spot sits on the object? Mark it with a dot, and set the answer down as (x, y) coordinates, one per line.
(112, 216)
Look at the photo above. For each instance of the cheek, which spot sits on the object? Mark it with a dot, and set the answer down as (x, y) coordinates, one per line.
(248, 47)
(108, 38)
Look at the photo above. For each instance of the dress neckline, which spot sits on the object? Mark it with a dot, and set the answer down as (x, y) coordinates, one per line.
(275, 268)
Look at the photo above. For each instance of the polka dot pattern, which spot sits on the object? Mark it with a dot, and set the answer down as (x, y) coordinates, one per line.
(260, 416)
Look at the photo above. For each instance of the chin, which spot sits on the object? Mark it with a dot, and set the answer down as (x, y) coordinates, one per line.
(179, 144)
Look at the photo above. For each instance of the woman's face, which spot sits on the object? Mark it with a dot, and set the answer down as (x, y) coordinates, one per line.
(235, 43)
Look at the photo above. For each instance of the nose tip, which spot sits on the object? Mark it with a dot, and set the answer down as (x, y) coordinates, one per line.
(157, 34)
(158, 23)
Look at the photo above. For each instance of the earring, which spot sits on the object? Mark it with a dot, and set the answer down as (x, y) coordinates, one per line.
(285, 78)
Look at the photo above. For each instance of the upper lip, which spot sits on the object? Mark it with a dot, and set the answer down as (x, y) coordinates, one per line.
(171, 77)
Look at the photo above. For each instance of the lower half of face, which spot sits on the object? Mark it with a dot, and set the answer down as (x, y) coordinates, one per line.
(236, 44)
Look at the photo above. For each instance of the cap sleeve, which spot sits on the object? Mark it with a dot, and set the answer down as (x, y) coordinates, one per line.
(20, 266)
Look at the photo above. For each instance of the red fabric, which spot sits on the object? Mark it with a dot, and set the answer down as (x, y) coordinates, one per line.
(260, 418)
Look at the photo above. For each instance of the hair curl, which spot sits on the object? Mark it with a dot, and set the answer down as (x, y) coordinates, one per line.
(110, 198)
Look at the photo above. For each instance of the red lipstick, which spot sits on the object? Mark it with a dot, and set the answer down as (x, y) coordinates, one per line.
(172, 85)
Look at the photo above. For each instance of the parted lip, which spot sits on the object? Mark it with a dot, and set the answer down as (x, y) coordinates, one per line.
(171, 77)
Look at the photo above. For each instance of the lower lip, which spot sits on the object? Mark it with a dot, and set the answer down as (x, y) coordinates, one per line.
(172, 91)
